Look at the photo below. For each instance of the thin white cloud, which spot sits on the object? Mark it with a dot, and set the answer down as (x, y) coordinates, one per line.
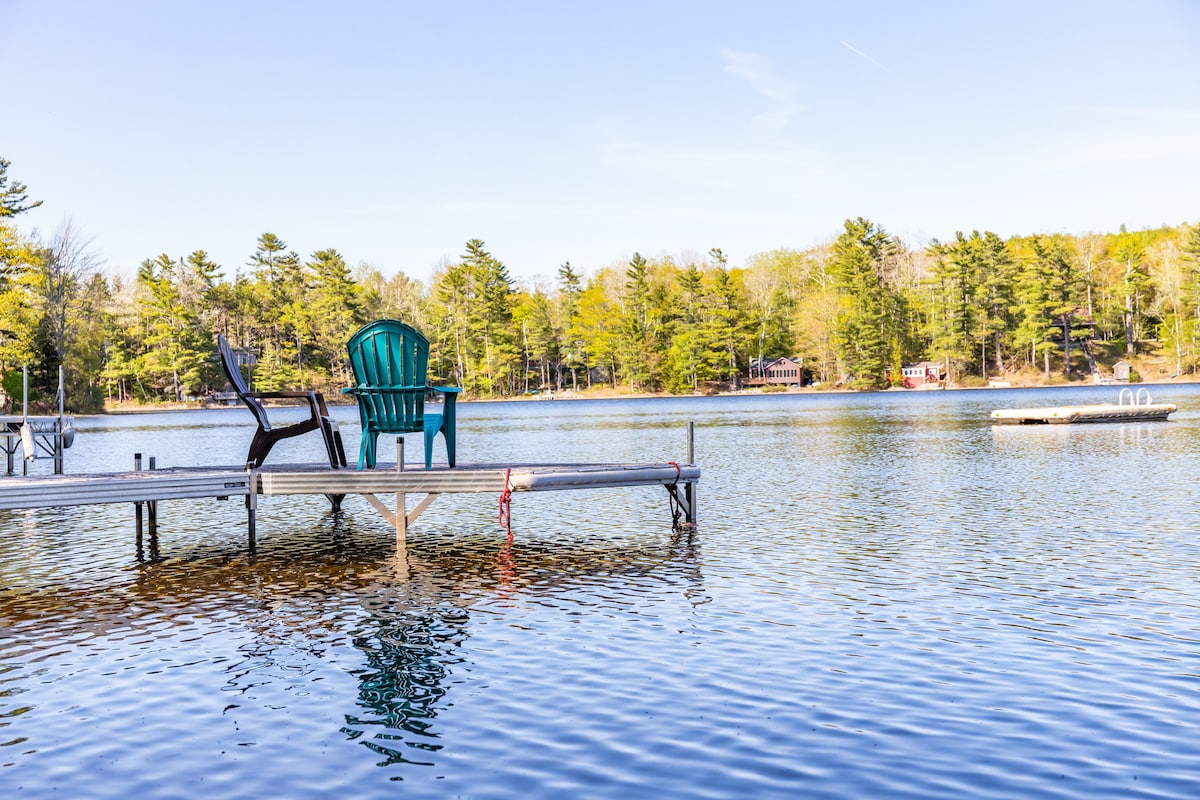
(756, 70)
(1166, 147)
(1165, 114)
(864, 56)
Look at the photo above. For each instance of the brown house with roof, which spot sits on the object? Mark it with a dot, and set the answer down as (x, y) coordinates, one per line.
(776, 372)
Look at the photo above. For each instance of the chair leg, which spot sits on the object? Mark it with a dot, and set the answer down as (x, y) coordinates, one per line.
(448, 435)
(366, 451)
(341, 449)
(333, 443)
(260, 445)
(430, 433)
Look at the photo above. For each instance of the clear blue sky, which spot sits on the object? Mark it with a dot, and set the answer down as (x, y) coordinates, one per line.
(586, 131)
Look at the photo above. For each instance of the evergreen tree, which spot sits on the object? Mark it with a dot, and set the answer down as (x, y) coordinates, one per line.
(637, 355)
(574, 347)
(1049, 298)
(1128, 251)
(729, 322)
(169, 360)
(19, 262)
(13, 197)
(866, 336)
(333, 312)
(280, 284)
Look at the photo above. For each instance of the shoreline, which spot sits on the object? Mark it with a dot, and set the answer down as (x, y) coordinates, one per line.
(608, 394)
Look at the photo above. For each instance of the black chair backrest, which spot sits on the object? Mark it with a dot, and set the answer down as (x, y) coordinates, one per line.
(229, 363)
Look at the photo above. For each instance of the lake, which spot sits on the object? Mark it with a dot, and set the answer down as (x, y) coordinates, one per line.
(886, 596)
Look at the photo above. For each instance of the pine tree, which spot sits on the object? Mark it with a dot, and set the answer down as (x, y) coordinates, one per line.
(866, 335)
(13, 197)
(637, 355)
(574, 349)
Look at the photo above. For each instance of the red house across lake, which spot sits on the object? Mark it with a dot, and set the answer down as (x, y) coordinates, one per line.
(925, 373)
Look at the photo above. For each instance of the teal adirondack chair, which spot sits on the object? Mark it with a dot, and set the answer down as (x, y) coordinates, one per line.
(389, 360)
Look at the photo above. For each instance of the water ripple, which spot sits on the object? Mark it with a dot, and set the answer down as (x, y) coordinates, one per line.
(887, 597)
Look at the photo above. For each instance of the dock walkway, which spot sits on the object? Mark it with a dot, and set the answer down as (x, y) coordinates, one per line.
(178, 483)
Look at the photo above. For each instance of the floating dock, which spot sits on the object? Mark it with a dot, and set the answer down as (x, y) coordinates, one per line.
(1128, 408)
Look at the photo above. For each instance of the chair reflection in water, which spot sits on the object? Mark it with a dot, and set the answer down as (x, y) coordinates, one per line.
(390, 360)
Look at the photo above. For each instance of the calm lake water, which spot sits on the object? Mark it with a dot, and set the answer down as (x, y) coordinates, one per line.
(886, 597)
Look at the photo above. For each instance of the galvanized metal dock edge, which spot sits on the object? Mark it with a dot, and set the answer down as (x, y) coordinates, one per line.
(148, 487)
(190, 483)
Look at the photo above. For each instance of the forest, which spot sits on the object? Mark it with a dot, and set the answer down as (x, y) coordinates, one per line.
(852, 309)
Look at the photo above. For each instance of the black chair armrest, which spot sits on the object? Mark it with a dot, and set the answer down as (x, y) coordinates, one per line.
(294, 394)
(316, 400)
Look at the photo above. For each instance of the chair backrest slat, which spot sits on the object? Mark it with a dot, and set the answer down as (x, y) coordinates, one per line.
(389, 360)
(233, 372)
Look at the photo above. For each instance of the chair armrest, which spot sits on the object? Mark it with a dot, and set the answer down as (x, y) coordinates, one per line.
(316, 400)
(449, 395)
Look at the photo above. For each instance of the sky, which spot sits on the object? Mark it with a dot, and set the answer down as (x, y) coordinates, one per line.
(580, 131)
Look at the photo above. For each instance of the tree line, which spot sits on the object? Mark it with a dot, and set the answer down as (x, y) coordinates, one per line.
(853, 310)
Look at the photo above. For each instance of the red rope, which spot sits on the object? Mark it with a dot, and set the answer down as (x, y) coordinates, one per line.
(506, 500)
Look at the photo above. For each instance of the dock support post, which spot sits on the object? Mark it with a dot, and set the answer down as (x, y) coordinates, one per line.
(58, 432)
(251, 509)
(401, 498)
(152, 509)
(689, 488)
(137, 505)
(25, 415)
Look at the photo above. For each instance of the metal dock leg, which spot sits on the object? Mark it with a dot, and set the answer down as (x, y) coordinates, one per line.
(251, 509)
(689, 488)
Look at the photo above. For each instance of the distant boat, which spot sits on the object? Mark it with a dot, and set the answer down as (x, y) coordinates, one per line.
(1128, 408)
